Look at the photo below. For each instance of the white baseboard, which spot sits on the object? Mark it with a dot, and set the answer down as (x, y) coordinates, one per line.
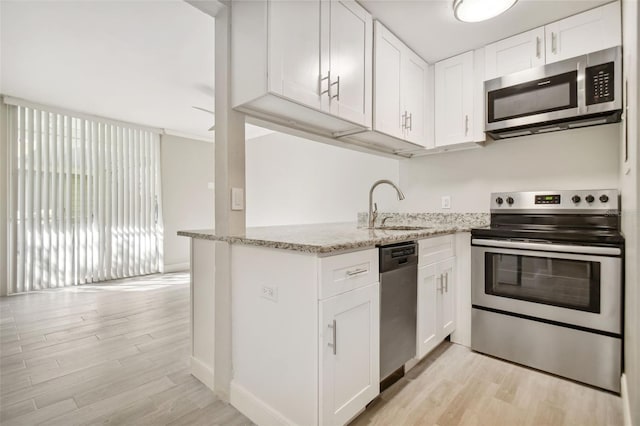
(202, 372)
(176, 267)
(626, 408)
(254, 408)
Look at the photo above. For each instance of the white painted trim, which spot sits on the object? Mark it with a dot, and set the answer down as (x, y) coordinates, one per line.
(202, 372)
(50, 108)
(626, 407)
(254, 408)
(176, 267)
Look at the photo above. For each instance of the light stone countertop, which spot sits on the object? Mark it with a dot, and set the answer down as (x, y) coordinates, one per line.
(328, 238)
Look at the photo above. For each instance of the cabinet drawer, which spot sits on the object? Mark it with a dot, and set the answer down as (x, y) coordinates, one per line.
(345, 272)
(435, 249)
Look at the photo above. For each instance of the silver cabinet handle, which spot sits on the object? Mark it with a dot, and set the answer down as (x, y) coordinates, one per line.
(440, 287)
(466, 124)
(537, 47)
(404, 120)
(328, 78)
(410, 118)
(337, 95)
(446, 282)
(554, 47)
(356, 272)
(333, 345)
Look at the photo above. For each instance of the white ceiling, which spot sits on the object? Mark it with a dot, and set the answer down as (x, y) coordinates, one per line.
(149, 62)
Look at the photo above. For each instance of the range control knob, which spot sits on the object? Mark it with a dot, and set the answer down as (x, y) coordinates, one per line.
(499, 201)
(589, 198)
(604, 198)
(509, 200)
(576, 199)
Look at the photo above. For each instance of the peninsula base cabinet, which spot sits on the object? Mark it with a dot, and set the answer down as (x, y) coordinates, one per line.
(436, 293)
(305, 333)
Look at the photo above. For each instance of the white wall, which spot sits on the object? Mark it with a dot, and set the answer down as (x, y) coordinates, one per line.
(630, 187)
(187, 202)
(575, 159)
(294, 181)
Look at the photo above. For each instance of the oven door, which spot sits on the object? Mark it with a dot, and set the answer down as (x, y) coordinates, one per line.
(573, 285)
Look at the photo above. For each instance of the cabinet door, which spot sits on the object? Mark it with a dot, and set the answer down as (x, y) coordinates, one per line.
(514, 54)
(429, 284)
(414, 94)
(350, 60)
(387, 111)
(586, 32)
(454, 100)
(349, 353)
(447, 304)
(294, 50)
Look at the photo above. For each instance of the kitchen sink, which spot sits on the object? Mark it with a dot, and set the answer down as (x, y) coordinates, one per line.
(402, 228)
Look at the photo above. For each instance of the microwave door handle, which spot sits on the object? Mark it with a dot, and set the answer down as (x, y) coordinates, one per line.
(562, 248)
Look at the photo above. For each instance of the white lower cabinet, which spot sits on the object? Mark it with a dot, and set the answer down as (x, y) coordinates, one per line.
(305, 333)
(349, 353)
(436, 301)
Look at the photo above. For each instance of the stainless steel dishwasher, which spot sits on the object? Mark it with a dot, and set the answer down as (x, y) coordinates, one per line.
(398, 305)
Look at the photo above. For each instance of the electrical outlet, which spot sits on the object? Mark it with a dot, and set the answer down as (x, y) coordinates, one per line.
(270, 293)
(237, 199)
(446, 201)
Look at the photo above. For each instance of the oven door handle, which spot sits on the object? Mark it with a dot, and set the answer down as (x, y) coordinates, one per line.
(563, 248)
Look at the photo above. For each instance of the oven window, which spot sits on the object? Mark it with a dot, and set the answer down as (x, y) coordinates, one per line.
(573, 284)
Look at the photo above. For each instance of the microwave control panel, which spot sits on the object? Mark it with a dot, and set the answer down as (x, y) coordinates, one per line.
(599, 83)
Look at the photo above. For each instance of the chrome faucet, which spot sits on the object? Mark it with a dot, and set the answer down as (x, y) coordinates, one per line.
(373, 212)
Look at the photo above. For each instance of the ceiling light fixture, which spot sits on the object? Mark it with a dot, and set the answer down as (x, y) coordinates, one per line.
(480, 10)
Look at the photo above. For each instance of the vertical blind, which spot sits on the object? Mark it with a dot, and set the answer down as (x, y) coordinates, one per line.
(85, 200)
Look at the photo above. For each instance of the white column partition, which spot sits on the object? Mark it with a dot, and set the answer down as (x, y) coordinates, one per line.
(84, 202)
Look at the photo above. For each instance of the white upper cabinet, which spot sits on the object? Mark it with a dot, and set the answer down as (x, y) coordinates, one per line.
(586, 32)
(350, 61)
(294, 61)
(415, 73)
(400, 89)
(515, 53)
(454, 100)
(388, 107)
(304, 64)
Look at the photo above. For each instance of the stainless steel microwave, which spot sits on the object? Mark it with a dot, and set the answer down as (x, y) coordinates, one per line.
(577, 92)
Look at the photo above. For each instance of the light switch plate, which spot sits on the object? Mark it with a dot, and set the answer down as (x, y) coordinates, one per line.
(446, 201)
(237, 198)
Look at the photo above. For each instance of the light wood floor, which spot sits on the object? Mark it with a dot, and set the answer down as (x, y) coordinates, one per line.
(455, 386)
(115, 353)
(118, 353)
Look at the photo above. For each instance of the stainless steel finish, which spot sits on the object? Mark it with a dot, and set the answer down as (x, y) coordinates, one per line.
(337, 95)
(524, 202)
(398, 306)
(561, 248)
(537, 47)
(439, 284)
(410, 118)
(466, 124)
(554, 48)
(404, 120)
(537, 121)
(357, 272)
(446, 282)
(334, 345)
(374, 213)
(579, 355)
(610, 291)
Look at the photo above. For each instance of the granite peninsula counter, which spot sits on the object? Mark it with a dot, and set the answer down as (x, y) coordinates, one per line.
(324, 239)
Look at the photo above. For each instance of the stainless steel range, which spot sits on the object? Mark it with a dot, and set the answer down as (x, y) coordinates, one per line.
(547, 283)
